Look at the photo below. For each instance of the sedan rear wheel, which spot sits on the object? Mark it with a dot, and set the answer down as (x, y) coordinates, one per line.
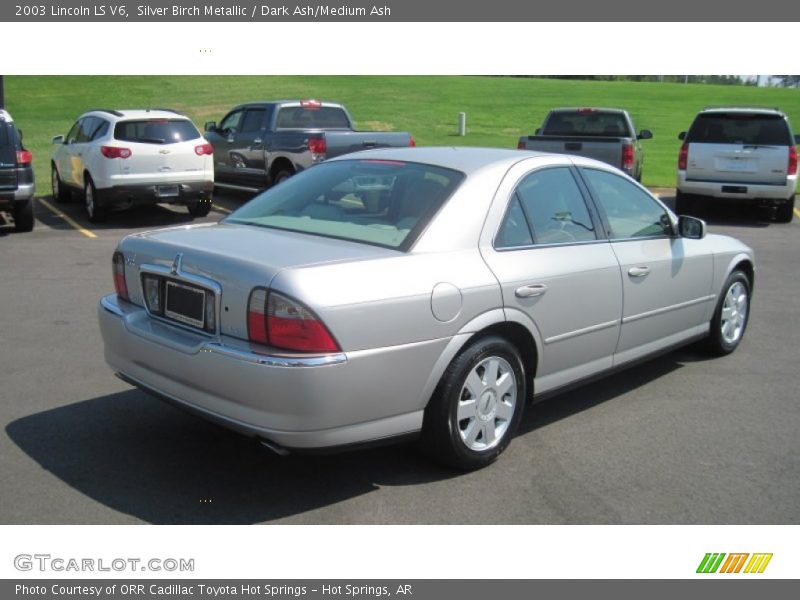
(731, 316)
(477, 406)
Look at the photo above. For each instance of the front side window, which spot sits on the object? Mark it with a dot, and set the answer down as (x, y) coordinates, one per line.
(72, 136)
(231, 122)
(631, 212)
(381, 202)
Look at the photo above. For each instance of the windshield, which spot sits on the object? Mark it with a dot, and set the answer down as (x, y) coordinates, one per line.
(379, 202)
(587, 123)
(740, 128)
(156, 131)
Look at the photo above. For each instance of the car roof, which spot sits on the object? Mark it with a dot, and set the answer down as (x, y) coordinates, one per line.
(465, 159)
(742, 110)
(594, 109)
(259, 103)
(4, 116)
(148, 113)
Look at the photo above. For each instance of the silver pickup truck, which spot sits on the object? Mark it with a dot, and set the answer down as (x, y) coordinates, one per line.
(605, 134)
(259, 144)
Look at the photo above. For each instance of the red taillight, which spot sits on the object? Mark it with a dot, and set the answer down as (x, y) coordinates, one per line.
(275, 320)
(118, 269)
(627, 157)
(412, 143)
(584, 111)
(310, 104)
(317, 145)
(204, 149)
(683, 157)
(24, 157)
(257, 317)
(115, 152)
(792, 169)
(521, 145)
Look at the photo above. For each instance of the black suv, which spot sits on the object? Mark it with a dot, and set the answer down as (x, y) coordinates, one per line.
(16, 175)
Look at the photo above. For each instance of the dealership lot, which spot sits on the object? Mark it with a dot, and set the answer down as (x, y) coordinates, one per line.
(681, 439)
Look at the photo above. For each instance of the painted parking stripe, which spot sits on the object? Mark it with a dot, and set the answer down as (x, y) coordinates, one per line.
(74, 224)
(221, 209)
(797, 212)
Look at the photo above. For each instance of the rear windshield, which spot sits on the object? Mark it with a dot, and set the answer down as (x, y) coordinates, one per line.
(156, 131)
(740, 128)
(8, 135)
(384, 203)
(324, 117)
(587, 123)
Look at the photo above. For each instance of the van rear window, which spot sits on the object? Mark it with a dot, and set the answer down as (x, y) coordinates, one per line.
(740, 128)
(156, 131)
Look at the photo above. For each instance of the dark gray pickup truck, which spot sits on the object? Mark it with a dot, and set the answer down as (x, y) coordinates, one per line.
(260, 144)
(605, 134)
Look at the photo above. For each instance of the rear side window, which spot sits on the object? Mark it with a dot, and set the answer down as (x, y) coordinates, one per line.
(740, 128)
(324, 117)
(156, 131)
(587, 123)
(5, 137)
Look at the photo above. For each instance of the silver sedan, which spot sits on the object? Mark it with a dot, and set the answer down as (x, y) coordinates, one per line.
(426, 292)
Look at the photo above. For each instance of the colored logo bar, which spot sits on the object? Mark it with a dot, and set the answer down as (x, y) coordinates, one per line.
(734, 563)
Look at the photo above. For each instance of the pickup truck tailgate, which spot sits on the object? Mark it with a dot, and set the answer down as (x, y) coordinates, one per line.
(605, 149)
(345, 142)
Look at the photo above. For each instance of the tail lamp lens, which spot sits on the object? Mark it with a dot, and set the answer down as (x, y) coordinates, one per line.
(521, 145)
(118, 270)
(276, 320)
(115, 152)
(683, 157)
(204, 149)
(24, 157)
(627, 157)
(792, 169)
(317, 145)
(412, 143)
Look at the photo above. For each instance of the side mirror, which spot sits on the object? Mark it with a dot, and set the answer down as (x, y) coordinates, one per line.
(691, 227)
(210, 126)
(538, 131)
(59, 139)
(645, 134)
(682, 135)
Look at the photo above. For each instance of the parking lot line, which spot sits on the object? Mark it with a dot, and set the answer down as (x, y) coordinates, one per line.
(221, 209)
(797, 212)
(68, 219)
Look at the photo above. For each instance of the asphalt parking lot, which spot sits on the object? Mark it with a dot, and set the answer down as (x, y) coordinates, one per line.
(681, 439)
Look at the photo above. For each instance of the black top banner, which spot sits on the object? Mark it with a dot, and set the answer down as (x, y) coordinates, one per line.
(406, 11)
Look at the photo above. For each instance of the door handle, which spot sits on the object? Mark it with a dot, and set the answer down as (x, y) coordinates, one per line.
(530, 291)
(639, 271)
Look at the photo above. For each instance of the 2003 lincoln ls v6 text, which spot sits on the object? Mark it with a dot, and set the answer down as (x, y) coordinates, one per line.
(417, 291)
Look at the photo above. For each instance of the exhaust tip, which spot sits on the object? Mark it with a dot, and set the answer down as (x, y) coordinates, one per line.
(279, 450)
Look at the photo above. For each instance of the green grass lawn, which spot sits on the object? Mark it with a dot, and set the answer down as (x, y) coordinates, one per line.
(499, 109)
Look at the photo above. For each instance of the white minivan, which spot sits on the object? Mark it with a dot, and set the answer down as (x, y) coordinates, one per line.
(120, 158)
(739, 153)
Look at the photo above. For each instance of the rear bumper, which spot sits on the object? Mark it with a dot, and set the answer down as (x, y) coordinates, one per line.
(24, 191)
(297, 402)
(142, 194)
(738, 190)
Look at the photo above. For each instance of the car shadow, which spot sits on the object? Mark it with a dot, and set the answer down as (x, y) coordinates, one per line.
(719, 212)
(144, 458)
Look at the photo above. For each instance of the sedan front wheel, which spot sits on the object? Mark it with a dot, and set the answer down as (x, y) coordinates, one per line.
(477, 406)
(731, 315)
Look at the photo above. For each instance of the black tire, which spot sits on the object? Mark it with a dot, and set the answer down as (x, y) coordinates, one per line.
(200, 208)
(784, 213)
(61, 193)
(684, 203)
(445, 437)
(281, 176)
(719, 342)
(23, 215)
(95, 211)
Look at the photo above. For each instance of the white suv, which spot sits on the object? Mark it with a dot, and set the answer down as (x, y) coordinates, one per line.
(739, 154)
(121, 158)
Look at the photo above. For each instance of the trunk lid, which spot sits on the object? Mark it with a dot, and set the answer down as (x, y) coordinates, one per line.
(235, 257)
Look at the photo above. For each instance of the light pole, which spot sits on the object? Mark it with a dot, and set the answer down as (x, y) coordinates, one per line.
(2, 95)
